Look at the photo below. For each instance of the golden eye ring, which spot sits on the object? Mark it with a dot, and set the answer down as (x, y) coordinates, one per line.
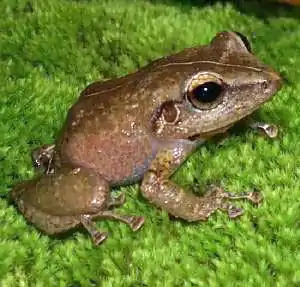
(204, 91)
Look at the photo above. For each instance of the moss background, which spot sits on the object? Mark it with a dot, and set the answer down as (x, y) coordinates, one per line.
(50, 50)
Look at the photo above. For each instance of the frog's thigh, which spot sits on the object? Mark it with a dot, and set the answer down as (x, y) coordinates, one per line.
(70, 191)
(50, 224)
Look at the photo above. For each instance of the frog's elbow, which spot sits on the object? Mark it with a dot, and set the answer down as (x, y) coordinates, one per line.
(17, 192)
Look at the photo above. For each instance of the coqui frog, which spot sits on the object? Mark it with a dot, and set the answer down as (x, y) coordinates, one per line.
(143, 126)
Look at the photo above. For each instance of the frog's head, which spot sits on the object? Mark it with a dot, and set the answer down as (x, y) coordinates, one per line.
(213, 87)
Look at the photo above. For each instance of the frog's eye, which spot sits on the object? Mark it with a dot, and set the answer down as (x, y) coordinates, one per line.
(245, 41)
(205, 91)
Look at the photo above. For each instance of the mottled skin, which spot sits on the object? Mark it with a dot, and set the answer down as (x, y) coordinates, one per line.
(143, 126)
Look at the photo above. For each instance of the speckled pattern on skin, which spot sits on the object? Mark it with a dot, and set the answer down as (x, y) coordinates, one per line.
(144, 125)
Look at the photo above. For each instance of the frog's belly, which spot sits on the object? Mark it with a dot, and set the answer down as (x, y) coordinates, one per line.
(121, 160)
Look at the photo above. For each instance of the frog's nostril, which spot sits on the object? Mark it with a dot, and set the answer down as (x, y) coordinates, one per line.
(275, 77)
(265, 85)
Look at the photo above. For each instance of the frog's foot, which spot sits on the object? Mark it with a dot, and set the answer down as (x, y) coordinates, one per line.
(232, 211)
(220, 198)
(117, 201)
(134, 222)
(97, 236)
(269, 130)
(42, 158)
(253, 196)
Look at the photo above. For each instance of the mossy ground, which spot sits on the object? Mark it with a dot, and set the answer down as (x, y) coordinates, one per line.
(51, 50)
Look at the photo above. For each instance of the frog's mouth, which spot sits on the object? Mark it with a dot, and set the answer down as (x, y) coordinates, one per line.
(207, 135)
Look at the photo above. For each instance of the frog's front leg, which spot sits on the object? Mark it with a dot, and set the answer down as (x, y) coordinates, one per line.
(266, 129)
(42, 158)
(270, 130)
(162, 192)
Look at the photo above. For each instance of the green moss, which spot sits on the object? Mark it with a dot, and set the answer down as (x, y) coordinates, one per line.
(50, 50)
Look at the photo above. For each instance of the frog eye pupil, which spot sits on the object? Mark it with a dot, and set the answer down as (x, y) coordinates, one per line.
(207, 92)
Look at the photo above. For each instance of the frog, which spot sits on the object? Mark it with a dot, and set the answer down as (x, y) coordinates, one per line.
(141, 127)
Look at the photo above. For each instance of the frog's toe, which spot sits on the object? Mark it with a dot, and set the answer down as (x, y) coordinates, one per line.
(99, 237)
(42, 158)
(117, 201)
(136, 222)
(255, 196)
(234, 212)
(270, 130)
(215, 191)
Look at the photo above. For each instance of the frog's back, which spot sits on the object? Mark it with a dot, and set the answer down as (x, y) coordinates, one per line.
(104, 133)
(108, 129)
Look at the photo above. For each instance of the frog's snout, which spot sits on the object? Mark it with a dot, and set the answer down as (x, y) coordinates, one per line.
(275, 79)
(15, 193)
(15, 197)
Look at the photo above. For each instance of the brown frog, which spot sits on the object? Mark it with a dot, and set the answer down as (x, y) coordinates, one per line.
(143, 126)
